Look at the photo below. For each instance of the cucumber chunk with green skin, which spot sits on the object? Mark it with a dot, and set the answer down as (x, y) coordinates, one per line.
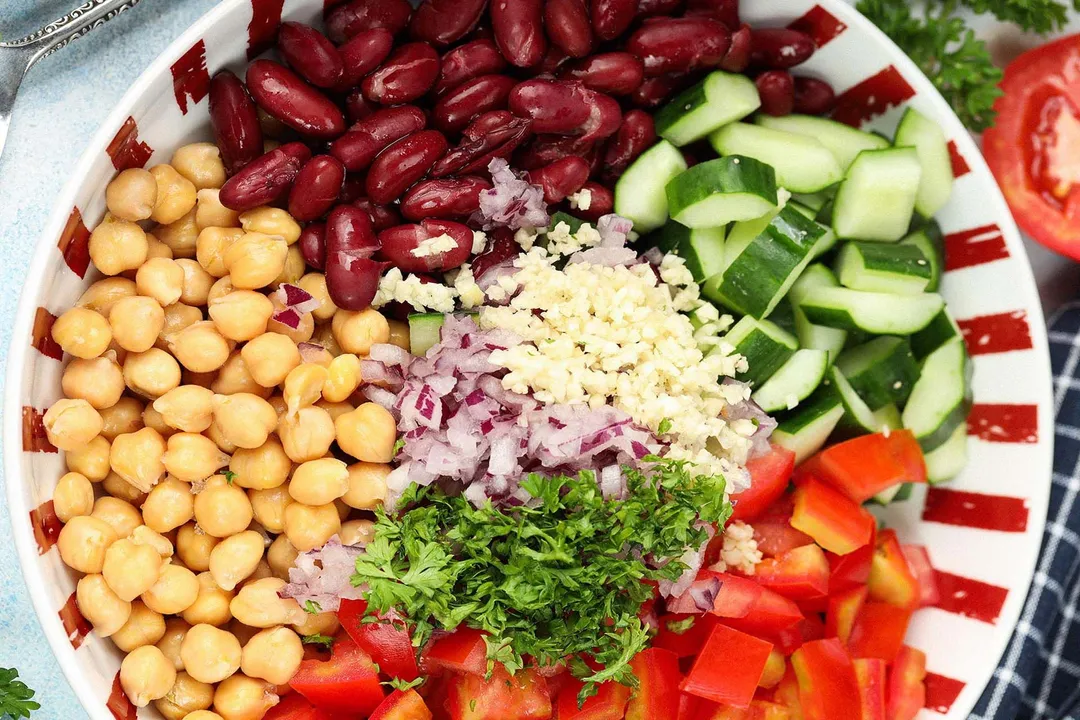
(702, 248)
(818, 337)
(941, 398)
(882, 371)
(763, 269)
(920, 132)
(816, 201)
(930, 241)
(941, 330)
(794, 382)
(805, 430)
(876, 313)
(844, 141)
(828, 240)
(640, 194)
(784, 316)
(765, 346)
(720, 191)
(876, 267)
(947, 460)
(561, 217)
(877, 198)
(715, 101)
(858, 418)
(897, 493)
(802, 164)
(424, 330)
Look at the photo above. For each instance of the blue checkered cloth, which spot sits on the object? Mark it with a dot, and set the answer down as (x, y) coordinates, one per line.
(1039, 676)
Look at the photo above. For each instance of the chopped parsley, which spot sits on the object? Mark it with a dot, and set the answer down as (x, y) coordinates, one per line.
(312, 608)
(665, 426)
(325, 641)
(15, 697)
(398, 444)
(403, 685)
(230, 476)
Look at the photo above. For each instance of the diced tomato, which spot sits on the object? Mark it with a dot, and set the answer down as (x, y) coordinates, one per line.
(347, 683)
(827, 686)
(831, 519)
(851, 570)
(891, 580)
(918, 560)
(388, 644)
(657, 693)
(843, 610)
(776, 537)
(402, 705)
(692, 707)
(870, 674)
(807, 629)
(879, 631)
(522, 696)
(907, 684)
(787, 694)
(860, 468)
(464, 651)
(609, 702)
(684, 634)
(770, 614)
(907, 451)
(758, 710)
(799, 574)
(293, 706)
(774, 670)
(730, 683)
(736, 597)
(435, 691)
(769, 476)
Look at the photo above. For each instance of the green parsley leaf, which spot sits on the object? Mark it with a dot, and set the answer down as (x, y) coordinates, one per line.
(230, 476)
(403, 685)
(681, 626)
(665, 426)
(398, 444)
(312, 608)
(325, 640)
(15, 696)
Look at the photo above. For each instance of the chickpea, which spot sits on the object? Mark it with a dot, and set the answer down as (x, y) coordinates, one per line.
(367, 485)
(211, 606)
(308, 435)
(71, 424)
(152, 373)
(309, 527)
(343, 510)
(357, 532)
(181, 236)
(272, 655)
(343, 377)
(224, 444)
(281, 555)
(169, 644)
(278, 403)
(368, 433)
(192, 457)
(356, 332)
(255, 260)
(121, 489)
(154, 420)
(294, 268)
(132, 195)
(258, 605)
(82, 332)
(235, 558)
(135, 323)
(101, 606)
(210, 655)
(145, 535)
(155, 249)
(315, 285)
(245, 419)
(177, 591)
(90, 460)
(209, 212)
(100, 296)
(177, 317)
(211, 246)
(234, 377)
(189, 408)
(73, 497)
(262, 569)
(304, 385)
(146, 675)
(199, 347)
(222, 509)
(138, 457)
(169, 505)
(336, 410)
(161, 279)
(315, 354)
(269, 358)
(118, 246)
(273, 222)
(144, 627)
(241, 315)
(269, 506)
(324, 335)
(99, 381)
(83, 541)
(120, 515)
(203, 715)
(221, 287)
(318, 482)
(201, 164)
(324, 623)
(399, 334)
(242, 698)
(187, 696)
(197, 283)
(303, 331)
(194, 546)
(175, 195)
(123, 417)
(130, 569)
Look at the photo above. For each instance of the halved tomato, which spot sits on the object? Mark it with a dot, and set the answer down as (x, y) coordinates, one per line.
(799, 574)
(387, 642)
(522, 696)
(347, 683)
(769, 476)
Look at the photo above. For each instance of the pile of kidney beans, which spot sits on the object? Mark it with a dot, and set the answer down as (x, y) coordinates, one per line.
(394, 114)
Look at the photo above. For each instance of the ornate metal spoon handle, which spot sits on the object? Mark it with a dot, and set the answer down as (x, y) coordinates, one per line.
(61, 31)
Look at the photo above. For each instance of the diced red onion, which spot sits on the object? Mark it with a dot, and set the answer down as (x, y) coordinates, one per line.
(324, 576)
(612, 483)
(613, 230)
(692, 559)
(606, 256)
(654, 256)
(288, 317)
(511, 202)
(296, 297)
(750, 410)
(313, 352)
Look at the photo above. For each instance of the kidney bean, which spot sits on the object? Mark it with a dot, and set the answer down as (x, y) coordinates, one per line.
(265, 179)
(737, 58)
(398, 244)
(561, 178)
(813, 96)
(448, 197)
(363, 53)
(553, 106)
(777, 91)
(442, 22)
(354, 188)
(468, 61)
(457, 107)
(636, 134)
(482, 31)
(614, 73)
(667, 45)
(568, 26)
(408, 73)
(284, 95)
(654, 91)
(605, 118)
(611, 18)
(345, 21)
(310, 53)
(404, 163)
(235, 121)
(601, 202)
(486, 122)
(726, 11)
(357, 107)
(546, 149)
(552, 60)
(367, 138)
(519, 30)
(500, 252)
(352, 277)
(780, 48)
(651, 8)
(313, 245)
(382, 216)
(473, 154)
(317, 187)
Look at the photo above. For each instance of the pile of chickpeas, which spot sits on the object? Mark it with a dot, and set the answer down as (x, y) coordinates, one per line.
(199, 440)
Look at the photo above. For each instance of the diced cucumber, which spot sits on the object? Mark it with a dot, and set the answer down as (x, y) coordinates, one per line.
(882, 371)
(929, 240)
(720, 191)
(784, 316)
(640, 194)
(858, 417)
(941, 330)
(794, 382)
(877, 198)
(818, 337)
(901, 269)
(920, 132)
(815, 201)
(424, 329)
(802, 164)
(947, 460)
(805, 431)
(715, 101)
(844, 141)
(761, 270)
(876, 313)
(897, 493)
(941, 398)
(828, 240)
(765, 346)
(702, 248)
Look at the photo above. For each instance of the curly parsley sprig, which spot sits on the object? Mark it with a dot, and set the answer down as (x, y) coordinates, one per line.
(15, 697)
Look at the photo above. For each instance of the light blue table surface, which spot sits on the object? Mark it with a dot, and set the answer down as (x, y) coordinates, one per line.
(62, 102)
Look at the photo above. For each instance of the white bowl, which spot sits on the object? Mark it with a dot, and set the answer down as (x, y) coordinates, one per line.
(985, 544)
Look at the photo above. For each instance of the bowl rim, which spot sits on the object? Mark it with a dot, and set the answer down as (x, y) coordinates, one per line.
(19, 351)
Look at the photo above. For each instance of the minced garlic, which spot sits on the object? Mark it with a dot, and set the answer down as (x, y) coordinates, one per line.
(740, 551)
(434, 246)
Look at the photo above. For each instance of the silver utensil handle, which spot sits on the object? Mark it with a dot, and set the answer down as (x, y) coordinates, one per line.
(78, 22)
